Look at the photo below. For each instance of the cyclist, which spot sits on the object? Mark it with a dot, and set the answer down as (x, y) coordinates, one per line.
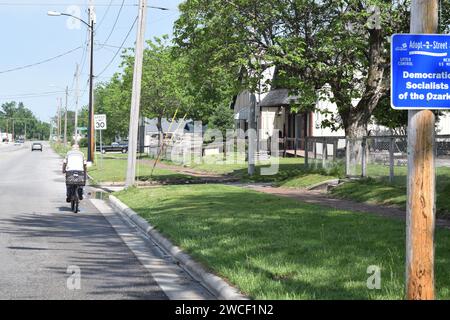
(74, 161)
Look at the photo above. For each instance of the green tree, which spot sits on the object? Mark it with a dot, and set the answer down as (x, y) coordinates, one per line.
(333, 49)
(221, 119)
(164, 93)
(18, 119)
(113, 99)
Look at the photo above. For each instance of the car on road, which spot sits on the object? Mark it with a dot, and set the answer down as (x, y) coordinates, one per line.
(114, 147)
(36, 146)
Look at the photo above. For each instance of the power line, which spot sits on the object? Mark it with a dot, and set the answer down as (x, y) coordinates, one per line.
(35, 94)
(120, 48)
(84, 56)
(26, 96)
(37, 4)
(33, 4)
(107, 45)
(40, 62)
(115, 22)
(30, 94)
(84, 90)
(104, 16)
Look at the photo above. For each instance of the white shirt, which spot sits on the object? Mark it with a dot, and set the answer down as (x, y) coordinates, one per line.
(74, 161)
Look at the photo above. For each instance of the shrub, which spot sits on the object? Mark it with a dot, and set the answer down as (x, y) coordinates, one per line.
(83, 143)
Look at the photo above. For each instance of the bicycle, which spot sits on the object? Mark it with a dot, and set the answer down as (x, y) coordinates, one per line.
(75, 199)
(76, 180)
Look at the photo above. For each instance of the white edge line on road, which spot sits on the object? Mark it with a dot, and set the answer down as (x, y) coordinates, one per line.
(176, 284)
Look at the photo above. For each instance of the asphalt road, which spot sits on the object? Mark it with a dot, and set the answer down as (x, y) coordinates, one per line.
(40, 238)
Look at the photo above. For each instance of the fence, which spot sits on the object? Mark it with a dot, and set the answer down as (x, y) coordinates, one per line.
(384, 157)
(378, 156)
(323, 151)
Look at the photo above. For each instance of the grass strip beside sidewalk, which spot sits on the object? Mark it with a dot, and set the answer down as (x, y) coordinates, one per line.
(381, 192)
(114, 170)
(278, 248)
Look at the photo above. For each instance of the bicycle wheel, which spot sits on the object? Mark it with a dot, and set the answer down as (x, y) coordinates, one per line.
(75, 199)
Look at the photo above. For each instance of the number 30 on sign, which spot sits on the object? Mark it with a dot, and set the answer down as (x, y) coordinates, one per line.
(100, 122)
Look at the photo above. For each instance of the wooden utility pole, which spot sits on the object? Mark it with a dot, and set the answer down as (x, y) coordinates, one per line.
(77, 88)
(420, 214)
(65, 117)
(59, 119)
(136, 94)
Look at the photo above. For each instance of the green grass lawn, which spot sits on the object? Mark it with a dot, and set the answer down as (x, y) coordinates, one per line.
(114, 170)
(381, 191)
(292, 172)
(60, 149)
(111, 167)
(278, 248)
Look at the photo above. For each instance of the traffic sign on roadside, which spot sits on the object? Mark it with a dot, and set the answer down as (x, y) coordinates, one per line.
(420, 71)
(100, 122)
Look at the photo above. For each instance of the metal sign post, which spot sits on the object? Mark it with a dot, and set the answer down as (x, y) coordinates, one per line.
(100, 125)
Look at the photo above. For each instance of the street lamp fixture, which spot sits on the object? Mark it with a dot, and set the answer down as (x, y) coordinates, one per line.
(54, 13)
(57, 14)
(91, 132)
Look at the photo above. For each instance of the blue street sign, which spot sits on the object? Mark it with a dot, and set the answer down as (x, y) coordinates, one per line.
(420, 71)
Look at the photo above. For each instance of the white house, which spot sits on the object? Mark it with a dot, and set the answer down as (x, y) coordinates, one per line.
(273, 112)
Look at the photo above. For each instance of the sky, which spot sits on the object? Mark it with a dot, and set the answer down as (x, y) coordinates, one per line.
(28, 36)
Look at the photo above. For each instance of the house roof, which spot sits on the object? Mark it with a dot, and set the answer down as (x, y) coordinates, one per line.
(243, 114)
(177, 126)
(278, 97)
(150, 125)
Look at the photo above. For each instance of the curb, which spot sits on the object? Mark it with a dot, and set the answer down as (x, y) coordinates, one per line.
(221, 289)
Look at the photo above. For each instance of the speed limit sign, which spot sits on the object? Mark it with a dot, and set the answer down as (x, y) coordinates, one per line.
(100, 122)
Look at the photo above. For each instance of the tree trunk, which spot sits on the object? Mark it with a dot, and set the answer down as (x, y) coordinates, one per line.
(356, 118)
(160, 131)
(355, 133)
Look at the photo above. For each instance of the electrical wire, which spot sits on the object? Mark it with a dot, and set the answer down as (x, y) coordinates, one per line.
(120, 48)
(85, 51)
(104, 16)
(82, 61)
(115, 23)
(40, 62)
(31, 95)
(34, 4)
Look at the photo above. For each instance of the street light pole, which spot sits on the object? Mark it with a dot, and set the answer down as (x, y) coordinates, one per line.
(59, 120)
(76, 103)
(91, 132)
(90, 25)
